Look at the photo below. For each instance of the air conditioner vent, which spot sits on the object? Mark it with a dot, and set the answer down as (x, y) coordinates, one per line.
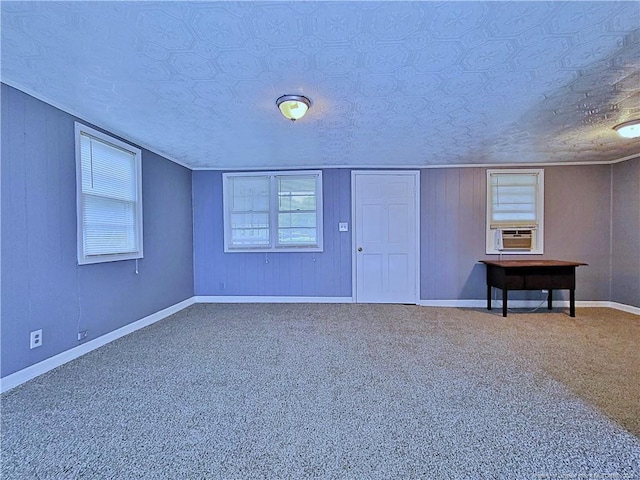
(514, 239)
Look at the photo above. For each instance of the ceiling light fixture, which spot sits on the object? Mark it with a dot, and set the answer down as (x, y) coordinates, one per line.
(630, 129)
(293, 107)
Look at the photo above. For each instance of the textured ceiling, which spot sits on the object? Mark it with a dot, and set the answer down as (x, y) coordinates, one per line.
(391, 83)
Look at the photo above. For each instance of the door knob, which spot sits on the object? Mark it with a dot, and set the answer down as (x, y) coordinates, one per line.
(359, 249)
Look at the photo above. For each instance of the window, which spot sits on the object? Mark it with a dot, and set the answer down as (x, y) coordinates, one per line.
(273, 211)
(109, 198)
(515, 211)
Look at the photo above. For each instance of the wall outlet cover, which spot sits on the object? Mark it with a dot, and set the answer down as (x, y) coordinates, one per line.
(35, 339)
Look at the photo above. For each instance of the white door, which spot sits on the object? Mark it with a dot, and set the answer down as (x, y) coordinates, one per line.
(386, 236)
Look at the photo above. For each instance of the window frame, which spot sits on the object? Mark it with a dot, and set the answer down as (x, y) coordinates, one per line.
(537, 224)
(83, 258)
(273, 227)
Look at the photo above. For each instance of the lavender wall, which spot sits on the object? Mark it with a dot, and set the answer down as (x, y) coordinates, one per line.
(452, 233)
(318, 274)
(42, 285)
(577, 226)
(625, 233)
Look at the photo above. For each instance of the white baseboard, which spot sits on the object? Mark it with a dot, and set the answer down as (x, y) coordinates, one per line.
(625, 308)
(424, 303)
(483, 303)
(527, 304)
(453, 303)
(26, 374)
(269, 299)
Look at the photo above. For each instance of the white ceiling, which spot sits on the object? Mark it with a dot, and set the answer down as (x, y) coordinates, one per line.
(391, 83)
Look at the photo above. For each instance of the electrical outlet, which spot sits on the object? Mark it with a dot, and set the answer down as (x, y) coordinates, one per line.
(82, 335)
(36, 339)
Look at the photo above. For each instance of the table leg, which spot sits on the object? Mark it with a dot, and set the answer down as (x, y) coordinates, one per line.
(504, 302)
(488, 297)
(550, 299)
(572, 303)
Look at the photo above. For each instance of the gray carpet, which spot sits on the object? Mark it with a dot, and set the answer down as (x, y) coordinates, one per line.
(333, 391)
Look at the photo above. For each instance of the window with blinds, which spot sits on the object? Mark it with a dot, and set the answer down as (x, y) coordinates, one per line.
(109, 199)
(249, 213)
(515, 201)
(273, 211)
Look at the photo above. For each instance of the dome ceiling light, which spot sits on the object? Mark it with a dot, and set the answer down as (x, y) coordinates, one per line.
(293, 107)
(630, 129)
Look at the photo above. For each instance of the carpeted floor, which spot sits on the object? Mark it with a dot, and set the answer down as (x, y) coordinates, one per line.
(339, 391)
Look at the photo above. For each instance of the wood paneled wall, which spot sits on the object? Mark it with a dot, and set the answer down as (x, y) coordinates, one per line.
(625, 236)
(42, 285)
(318, 274)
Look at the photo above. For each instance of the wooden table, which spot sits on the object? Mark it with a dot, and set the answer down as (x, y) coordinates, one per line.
(532, 275)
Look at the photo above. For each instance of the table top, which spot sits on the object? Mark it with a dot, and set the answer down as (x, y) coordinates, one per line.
(531, 263)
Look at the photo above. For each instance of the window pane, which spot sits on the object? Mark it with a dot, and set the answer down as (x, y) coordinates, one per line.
(109, 226)
(250, 220)
(297, 236)
(297, 202)
(250, 194)
(297, 220)
(297, 206)
(297, 228)
(514, 194)
(249, 236)
(107, 170)
(514, 217)
(514, 179)
(514, 207)
(297, 193)
(297, 184)
(249, 217)
(249, 229)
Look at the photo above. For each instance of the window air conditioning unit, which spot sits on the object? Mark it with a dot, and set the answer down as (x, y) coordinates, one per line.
(520, 239)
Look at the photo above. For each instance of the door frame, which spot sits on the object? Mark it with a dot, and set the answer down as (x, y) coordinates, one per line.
(354, 259)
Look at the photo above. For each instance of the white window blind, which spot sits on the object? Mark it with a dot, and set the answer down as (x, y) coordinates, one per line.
(273, 211)
(514, 198)
(109, 198)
